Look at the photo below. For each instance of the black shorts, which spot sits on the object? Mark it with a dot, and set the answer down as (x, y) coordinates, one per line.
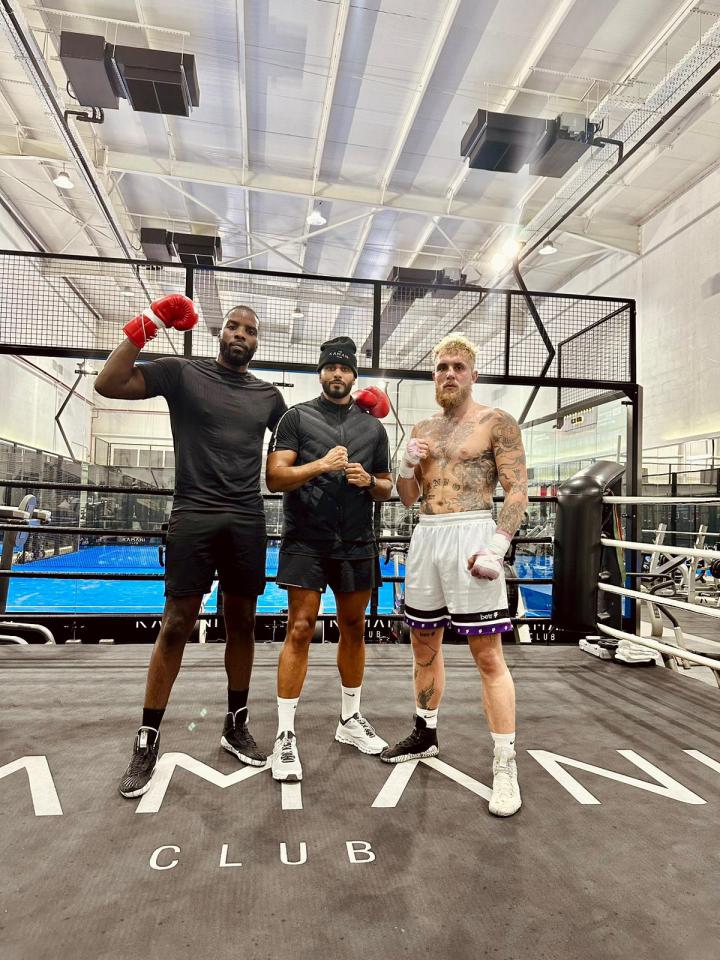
(317, 573)
(199, 544)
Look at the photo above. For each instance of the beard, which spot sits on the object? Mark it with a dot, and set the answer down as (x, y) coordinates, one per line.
(452, 399)
(235, 355)
(336, 391)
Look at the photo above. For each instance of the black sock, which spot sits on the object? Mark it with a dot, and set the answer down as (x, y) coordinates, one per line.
(237, 700)
(152, 718)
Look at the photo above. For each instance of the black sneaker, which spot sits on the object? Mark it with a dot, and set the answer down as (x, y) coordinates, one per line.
(237, 739)
(136, 779)
(422, 742)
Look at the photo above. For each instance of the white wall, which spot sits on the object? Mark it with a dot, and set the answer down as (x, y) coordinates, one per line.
(676, 283)
(33, 390)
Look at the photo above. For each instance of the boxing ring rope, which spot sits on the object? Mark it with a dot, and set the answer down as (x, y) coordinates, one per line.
(661, 548)
(14, 522)
(678, 652)
(713, 501)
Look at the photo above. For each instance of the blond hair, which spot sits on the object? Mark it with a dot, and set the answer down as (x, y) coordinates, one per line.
(456, 343)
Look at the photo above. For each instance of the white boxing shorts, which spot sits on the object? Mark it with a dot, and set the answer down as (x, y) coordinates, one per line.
(439, 588)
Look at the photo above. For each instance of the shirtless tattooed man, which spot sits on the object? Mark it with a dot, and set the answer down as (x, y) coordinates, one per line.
(454, 570)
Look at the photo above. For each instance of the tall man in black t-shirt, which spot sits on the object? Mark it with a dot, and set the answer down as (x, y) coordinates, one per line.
(219, 414)
(331, 460)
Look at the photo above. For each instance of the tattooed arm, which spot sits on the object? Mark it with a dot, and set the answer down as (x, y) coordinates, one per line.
(510, 461)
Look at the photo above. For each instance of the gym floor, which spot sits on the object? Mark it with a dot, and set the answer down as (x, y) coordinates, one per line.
(613, 855)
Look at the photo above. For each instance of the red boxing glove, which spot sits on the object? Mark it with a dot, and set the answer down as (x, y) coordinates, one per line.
(373, 400)
(174, 310)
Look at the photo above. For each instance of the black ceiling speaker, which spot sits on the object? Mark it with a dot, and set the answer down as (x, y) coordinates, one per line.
(197, 250)
(567, 139)
(157, 244)
(502, 142)
(154, 81)
(158, 81)
(87, 63)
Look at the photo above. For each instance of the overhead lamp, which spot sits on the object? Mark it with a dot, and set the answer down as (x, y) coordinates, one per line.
(315, 217)
(297, 313)
(63, 181)
(127, 292)
(547, 249)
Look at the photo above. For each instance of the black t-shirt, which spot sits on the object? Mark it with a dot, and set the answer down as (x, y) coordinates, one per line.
(328, 516)
(218, 419)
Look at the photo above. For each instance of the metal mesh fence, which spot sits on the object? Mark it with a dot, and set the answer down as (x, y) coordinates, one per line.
(77, 307)
(598, 352)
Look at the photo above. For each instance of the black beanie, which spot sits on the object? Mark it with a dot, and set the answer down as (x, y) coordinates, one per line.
(339, 350)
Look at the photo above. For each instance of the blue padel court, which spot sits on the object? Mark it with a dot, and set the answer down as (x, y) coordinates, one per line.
(147, 596)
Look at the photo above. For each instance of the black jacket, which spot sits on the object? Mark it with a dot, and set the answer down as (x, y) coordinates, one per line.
(328, 515)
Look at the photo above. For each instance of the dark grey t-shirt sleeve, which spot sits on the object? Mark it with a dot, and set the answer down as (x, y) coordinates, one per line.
(287, 434)
(278, 410)
(381, 461)
(162, 377)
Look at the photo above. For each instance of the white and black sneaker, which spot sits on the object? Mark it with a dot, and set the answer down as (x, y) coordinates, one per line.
(357, 732)
(136, 779)
(421, 743)
(505, 799)
(286, 764)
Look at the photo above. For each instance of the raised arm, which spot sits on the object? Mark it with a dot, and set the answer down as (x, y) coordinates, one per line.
(510, 461)
(120, 379)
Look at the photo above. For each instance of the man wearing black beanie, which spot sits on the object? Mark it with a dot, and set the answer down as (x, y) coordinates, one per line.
(331, 460)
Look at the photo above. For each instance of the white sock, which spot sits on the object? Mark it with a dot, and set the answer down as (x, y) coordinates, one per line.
(286, 714)
(503, 741)
(350, 702)
(429, 716)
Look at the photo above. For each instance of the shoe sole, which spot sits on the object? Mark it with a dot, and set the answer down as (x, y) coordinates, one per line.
(353, 743)
(288, 778)
(241, 756)
(512, 813)
(432, 752)
(130, 794)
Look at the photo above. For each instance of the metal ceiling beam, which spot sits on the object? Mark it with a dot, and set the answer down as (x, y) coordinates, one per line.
(553, 24)
(221, 219)
(337, 44)
(551, 27)
(23, 43)
(308, 235)
(411, 114)
(333, 67)
(264, 182)
(629, 245)
(242, 104)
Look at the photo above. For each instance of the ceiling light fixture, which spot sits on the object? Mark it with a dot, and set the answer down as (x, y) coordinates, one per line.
(547, 249)
(297, 313)
(63, 181)
(315, 217)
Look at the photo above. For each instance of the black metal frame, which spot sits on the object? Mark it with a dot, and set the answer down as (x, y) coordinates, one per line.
(611, 389)
(377, 285)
